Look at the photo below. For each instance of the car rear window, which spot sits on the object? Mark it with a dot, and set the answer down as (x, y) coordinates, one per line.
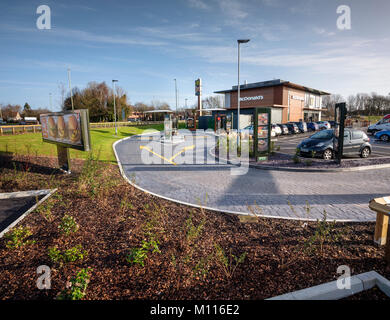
(357, 135)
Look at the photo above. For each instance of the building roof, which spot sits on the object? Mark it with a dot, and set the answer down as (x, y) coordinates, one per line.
(273, 83)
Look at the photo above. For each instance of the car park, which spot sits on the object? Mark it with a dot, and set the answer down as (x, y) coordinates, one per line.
(383, 135)
(323, 125)
(292, 128)
(321, 143)
(383, 124)
(312, 126)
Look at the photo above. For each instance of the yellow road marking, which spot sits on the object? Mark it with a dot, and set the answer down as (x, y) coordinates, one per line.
(168, 160)
(184, 149)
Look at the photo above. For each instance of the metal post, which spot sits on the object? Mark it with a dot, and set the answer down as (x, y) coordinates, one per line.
(116, 130)
(238, 89)
(176, 93)
(70, 89)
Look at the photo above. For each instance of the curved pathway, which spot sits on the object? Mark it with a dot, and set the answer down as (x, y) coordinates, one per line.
(343, 195)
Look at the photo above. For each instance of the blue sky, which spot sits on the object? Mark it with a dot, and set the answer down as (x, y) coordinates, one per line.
(146, 44)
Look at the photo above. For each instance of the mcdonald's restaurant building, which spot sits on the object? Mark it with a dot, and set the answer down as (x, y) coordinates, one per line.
(288, 102)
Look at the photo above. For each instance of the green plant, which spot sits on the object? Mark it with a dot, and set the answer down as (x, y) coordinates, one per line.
(324, 232)
(228, 263)
(77, 286)
(139, 255)
(68, 224)
(296, 157)
(193, 231)
(70, 255)
(18, 238)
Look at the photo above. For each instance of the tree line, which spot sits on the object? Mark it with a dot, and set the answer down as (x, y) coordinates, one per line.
(359, 104)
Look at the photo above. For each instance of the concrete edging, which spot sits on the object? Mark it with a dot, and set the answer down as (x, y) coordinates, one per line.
(24, 194)
(329, 291)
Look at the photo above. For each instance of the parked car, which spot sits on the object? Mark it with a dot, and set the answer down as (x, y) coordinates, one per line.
(292, 128)
(302, 126)
(248, 131)
(384, 124)
(332, 123)
(323, 125)
(284, 129)
(320, 144)
(312, 126)
(277, 129)
(383, 135)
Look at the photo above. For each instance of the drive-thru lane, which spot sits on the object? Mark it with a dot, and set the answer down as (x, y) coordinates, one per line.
(344, 195)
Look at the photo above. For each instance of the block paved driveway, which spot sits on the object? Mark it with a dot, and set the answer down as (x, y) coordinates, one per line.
(344, 195)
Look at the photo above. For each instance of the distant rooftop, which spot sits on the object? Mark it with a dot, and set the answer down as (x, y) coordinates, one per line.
(273, 83)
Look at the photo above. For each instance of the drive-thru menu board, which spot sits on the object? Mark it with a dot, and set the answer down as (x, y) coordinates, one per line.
(262, 133)
(67, 129)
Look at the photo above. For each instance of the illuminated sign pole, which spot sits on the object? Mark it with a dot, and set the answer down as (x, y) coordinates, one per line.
(198, 93)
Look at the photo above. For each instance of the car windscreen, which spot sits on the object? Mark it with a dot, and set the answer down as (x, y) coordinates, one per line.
(323, 135)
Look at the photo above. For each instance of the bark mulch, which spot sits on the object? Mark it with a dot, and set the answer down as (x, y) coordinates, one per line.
(188, 253)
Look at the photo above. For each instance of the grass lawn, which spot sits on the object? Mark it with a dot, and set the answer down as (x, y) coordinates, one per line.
(102, 139)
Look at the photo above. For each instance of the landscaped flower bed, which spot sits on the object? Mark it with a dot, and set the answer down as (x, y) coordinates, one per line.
(109, 240)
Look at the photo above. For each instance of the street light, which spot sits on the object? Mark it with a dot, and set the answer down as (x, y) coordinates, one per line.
(238, 87)
(113, 84)
(70, 89)
(176, 93)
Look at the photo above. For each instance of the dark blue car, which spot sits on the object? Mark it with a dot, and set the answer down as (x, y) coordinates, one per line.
(312, 126)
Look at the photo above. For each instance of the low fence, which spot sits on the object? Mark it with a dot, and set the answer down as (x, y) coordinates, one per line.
(20, 129)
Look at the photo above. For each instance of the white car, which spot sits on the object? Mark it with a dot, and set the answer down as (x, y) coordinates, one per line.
(323, 125)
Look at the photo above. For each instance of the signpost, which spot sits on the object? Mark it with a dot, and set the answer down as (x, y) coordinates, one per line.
(339, 119)
(69, 129)
(262, 133)
(198, 93)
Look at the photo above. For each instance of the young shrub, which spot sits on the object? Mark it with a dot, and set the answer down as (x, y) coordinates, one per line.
(18, 238)
(76, 288)
(324, 232)
(228, 263)
(68, 225)
(70, 255)
(139, 255)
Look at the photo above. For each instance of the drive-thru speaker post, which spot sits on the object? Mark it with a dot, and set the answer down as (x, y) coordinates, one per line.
(339, 119)
(68, 129)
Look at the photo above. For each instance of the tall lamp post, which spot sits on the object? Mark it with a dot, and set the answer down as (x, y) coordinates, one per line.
(70, 89)
(176, 93)
(238, 88)
(116, 129)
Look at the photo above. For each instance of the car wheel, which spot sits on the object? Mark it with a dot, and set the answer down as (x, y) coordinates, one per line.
(365, 152)
(385, 137)
(327, 155)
